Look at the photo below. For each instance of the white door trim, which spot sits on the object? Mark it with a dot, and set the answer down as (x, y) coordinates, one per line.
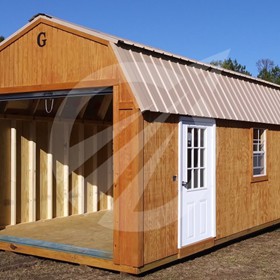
(196, 121)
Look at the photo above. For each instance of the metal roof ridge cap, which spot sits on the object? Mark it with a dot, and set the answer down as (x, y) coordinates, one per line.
(40, 15)
(199, 63)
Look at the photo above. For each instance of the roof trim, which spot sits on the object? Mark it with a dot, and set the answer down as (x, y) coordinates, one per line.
(39, 14)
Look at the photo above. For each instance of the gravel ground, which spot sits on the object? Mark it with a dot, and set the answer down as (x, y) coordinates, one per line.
(257, 257)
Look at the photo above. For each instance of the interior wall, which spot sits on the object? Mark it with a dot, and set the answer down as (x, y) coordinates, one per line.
(62, 168)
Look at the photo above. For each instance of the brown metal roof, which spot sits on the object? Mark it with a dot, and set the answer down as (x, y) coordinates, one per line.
(164, 82)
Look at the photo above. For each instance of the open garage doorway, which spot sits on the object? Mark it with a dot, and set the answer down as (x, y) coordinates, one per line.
(56, 180)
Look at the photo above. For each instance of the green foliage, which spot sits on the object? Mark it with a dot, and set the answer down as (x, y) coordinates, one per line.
(2, 38)
(232, 65)
(268, 71)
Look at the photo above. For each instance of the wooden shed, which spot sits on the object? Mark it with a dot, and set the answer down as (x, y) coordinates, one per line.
(124, 157)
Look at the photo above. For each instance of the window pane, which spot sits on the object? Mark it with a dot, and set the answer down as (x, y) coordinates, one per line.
(256, 134)
(261, 160)
(189, 184)
(257, 171)
(189, 158)
(256, 160)
(202, 135)
(195, 179)
(195, 137)
(202, 151)
(202, 178)
(190, 137)
(195, 157)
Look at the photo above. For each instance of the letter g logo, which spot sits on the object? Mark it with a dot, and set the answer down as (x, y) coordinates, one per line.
(41, 39)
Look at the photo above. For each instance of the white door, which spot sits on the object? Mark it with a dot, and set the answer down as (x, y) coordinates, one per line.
(197, 167)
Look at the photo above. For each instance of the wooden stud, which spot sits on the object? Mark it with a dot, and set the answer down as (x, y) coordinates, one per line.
(90, 168)
(49, 177)
(32, 173)
(5, 174)
(66, 170)
(81, 182)
(107, 99)
(13, 172)
(26, 173)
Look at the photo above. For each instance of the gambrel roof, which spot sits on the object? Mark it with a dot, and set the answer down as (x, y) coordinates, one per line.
(167, 83)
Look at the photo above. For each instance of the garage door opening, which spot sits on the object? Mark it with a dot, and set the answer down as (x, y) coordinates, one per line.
(56, 181)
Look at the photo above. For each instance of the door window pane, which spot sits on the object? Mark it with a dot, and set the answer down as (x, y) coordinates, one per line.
(201, 178)
(196, 171)
(196, 158)
(195, 137)
(202, 140)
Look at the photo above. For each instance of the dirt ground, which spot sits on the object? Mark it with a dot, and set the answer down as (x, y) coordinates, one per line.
(257, 257)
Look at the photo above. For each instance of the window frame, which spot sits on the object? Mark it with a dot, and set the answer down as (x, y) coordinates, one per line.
(259, 177)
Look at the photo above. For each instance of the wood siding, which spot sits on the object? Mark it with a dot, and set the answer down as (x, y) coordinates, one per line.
(128, 179)
(160, 191)
(66, 58)
(241, 203)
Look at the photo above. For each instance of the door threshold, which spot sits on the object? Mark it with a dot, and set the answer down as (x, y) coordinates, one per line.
(196, 247)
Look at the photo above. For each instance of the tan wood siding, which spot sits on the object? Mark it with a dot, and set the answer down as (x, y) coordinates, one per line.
(128, 179)
(241, 203)
(160, 191)
(66, 58)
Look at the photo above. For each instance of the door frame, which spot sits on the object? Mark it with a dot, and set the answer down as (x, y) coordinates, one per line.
(212, 161)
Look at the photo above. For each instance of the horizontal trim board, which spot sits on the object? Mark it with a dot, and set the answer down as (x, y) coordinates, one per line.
(60, 86)
(57, 94)
(57, 247)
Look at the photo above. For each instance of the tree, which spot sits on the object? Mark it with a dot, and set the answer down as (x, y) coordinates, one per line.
(268, 71)
(2, 38)
(232, 65)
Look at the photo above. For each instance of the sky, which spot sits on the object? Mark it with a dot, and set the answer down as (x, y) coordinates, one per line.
(205, 30)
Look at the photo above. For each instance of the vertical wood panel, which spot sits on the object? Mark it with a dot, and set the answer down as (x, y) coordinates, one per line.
(32, 172)
(44, 172)
(19, 171)
(13, 164)
(76, 169)
(5, 173)
(90, 168)
(60, 152)
(81, 180)
(128, 181)
(25, 172)
(160, 192)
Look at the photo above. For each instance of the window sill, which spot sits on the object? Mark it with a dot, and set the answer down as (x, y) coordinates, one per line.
(259, 179)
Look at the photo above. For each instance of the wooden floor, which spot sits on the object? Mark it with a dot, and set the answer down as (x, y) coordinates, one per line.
(91, 231)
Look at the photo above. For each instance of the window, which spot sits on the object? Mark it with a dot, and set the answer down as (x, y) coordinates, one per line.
(259, 152)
